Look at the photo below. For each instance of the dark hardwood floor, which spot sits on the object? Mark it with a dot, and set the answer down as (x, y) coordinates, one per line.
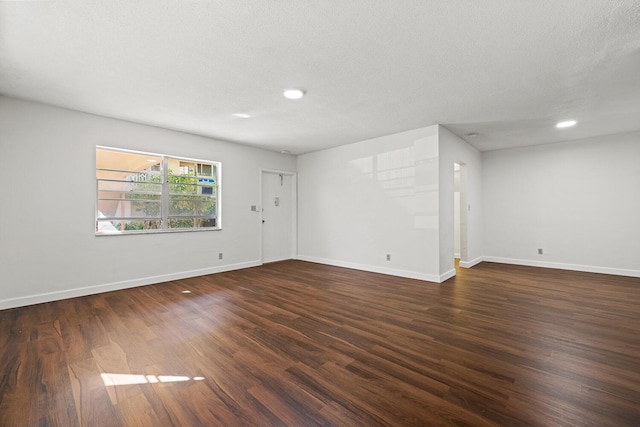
(302, 344)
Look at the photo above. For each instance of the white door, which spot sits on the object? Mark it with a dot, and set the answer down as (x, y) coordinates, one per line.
(278, 216)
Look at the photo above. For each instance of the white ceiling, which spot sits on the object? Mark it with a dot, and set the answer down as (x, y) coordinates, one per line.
(507, 70)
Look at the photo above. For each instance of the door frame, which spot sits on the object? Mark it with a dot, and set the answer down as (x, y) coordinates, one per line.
(464, 214)
(294, 209)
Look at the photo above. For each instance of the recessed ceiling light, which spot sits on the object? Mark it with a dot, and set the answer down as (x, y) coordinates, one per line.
(285, 152)
(293, 93)
(472, 135)
(242, 115)
(566, 124)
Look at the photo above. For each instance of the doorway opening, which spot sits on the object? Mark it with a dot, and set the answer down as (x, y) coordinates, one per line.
(460, 213)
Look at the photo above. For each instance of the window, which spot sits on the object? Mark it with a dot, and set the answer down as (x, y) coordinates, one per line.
(144, 192)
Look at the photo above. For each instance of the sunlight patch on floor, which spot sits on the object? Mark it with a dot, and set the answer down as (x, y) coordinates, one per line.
(111, 380)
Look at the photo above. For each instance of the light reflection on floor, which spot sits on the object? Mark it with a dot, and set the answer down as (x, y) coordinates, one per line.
(111, 380)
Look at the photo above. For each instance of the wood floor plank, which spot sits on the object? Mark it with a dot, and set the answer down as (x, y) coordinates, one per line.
(91, 397)
(301, 344)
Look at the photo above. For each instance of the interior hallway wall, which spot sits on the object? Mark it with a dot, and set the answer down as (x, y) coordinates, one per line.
(362, 201)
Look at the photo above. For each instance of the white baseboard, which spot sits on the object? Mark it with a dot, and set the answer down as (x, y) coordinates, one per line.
(115, 286)
(374, 269)
(469, 264)
(563, 266)
(448, 275)
(456, 255)
(90, 290)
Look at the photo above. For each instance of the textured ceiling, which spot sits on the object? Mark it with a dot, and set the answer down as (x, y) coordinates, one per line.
(506, 70)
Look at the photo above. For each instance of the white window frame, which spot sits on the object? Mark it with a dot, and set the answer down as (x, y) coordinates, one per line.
(165, 194)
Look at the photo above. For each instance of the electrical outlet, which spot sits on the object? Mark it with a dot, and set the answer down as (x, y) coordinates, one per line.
(254, 208)
(220, 255)
(388, 257)
(540, 251)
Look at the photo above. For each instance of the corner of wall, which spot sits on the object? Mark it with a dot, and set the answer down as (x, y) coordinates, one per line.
(453, 149)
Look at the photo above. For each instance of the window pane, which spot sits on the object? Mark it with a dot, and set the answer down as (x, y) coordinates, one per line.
(183, 186)
(194, 205)
(124, 208)
(130, 176)
(107, 226)
(205, 169)
(121, 187)
(206, 186)
(175, 223)
(113, 164)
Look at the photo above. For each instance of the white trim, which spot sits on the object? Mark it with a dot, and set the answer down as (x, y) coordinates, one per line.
(448, 275)
(456, 255)
(373, 269)
(115, 286)
(563, 266)
(469, 264)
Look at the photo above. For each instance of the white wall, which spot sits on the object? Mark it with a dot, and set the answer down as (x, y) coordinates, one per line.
(578, 201)
(48, 249)
(362, 201)
(452, 150)
(390, 195)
